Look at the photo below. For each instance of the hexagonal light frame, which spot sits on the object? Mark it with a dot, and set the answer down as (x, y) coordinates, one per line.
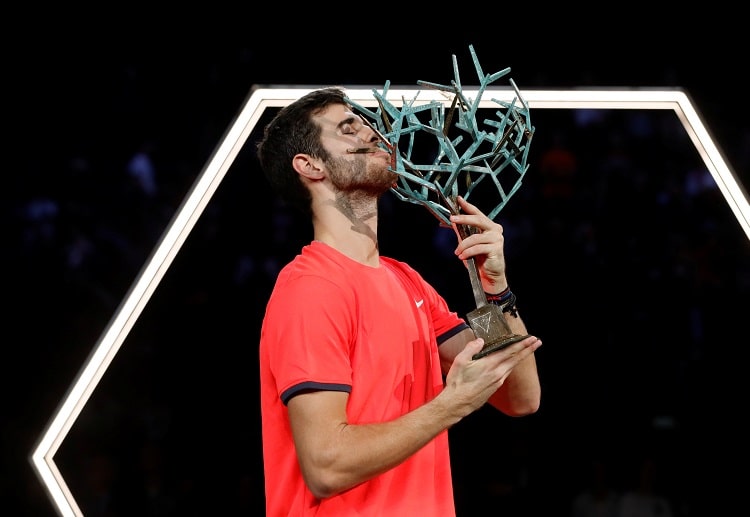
(42, 456)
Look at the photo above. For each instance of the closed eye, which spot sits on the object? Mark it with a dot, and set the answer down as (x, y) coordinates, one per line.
(351, 125)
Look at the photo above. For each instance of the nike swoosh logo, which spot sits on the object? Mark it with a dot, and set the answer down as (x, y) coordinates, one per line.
(419, 303)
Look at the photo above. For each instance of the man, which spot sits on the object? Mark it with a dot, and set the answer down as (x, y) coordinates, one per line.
(363, 367)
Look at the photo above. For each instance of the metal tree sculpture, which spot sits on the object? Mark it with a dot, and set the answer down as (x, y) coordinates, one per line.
(465, 154)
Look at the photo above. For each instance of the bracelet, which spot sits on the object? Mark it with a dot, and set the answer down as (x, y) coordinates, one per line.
(499, 298)
(506, 300)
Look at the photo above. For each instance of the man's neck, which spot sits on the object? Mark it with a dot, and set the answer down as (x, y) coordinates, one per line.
(352, 232)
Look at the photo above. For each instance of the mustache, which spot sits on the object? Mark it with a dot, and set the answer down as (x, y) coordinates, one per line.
(363, 150)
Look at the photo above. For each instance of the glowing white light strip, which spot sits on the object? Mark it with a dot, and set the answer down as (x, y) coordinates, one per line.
(42, 457)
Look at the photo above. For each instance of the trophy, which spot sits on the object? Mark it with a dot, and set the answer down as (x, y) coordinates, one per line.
(468, 154)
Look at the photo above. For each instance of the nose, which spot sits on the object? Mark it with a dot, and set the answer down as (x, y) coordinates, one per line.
(376, 136)
(371, 137)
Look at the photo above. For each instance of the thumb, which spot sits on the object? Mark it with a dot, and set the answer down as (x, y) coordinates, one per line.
(472, 348)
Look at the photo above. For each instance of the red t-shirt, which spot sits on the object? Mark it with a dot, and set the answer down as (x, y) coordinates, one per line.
(334, 324)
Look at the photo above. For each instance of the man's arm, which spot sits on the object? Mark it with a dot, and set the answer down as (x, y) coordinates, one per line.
(335, 455)
(520, 394)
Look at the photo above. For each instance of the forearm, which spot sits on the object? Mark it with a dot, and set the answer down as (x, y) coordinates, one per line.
(520, 394)
(338, 458)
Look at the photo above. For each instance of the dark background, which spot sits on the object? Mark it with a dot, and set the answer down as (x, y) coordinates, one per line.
(637, 286)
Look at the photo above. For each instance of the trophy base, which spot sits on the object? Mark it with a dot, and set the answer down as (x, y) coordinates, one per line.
(498, 345)
(489, 323)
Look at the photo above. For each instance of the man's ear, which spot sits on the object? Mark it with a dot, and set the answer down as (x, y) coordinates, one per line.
(307, 166)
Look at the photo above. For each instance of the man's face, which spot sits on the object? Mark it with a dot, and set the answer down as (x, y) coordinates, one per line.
(355, 162)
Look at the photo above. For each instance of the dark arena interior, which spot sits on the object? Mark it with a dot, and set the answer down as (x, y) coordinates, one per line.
(624, 254)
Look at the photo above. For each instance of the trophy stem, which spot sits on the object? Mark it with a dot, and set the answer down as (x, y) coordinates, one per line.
(476, 283)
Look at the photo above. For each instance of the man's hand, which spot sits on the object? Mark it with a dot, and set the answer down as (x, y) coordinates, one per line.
(485, 245)
(470, 382)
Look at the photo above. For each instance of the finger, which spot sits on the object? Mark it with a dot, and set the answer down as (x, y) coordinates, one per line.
(468, 207)
(532, 342)
(529, 346)
(516, 352)
(475, 219)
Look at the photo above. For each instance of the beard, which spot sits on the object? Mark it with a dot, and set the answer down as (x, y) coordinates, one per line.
(360, 174)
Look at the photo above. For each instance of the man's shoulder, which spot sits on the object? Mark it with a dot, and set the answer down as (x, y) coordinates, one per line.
(399, 265)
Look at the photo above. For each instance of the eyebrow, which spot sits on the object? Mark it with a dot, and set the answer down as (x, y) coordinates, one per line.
(348, 120)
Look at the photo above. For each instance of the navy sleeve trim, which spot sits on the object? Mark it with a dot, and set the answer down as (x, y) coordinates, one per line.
(312, 386)
(442, 338)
